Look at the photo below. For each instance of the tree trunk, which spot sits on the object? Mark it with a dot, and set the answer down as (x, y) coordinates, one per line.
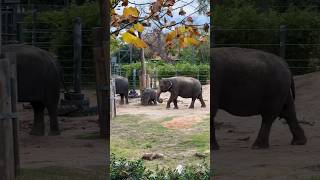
(143, 69)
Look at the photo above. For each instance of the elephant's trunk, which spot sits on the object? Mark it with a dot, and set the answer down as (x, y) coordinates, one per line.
(158, 96)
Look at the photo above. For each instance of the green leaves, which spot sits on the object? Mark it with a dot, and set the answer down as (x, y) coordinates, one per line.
(135, 170)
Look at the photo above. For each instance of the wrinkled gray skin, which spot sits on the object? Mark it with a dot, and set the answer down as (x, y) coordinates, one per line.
(185, 87)
(38, 80)
(122, 87)
(148, 96)
(249, 82)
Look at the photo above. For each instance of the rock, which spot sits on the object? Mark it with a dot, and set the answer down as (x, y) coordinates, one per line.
(152, 156)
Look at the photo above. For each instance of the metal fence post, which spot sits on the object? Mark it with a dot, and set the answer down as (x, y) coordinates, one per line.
(77, 55)
(134, 76)
(7, 162)
(20, 35)
(33, 25)
(283, 37)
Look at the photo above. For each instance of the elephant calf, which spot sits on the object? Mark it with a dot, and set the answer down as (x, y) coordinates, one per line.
(186, 87)
(148, 96)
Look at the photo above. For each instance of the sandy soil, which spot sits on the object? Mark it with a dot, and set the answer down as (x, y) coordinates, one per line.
(235, 159)
(160, 111)
(73, 148)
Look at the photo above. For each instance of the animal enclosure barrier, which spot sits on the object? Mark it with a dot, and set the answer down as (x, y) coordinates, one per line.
(302, 54)
(9, 151)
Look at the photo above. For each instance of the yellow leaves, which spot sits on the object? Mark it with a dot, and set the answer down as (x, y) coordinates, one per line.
(184, 35)
(132, 39)
(131, 11)
(139, 27)
(191, 41)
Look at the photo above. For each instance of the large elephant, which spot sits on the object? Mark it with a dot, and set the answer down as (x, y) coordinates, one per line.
(38, 80)
(186, 87)
(249, 82)
(122, 87)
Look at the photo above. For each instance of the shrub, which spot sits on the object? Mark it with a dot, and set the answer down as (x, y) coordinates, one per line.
(165, 70)
(120, 168)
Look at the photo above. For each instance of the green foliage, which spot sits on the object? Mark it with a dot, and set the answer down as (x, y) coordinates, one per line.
(57, 36)
(300, 36)
(135, 170)
(164, 70)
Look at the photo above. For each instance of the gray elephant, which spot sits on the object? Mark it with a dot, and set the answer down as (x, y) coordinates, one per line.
(148, 96)
(186, 87)
(249, 82)
(122, 87)
(38, 80)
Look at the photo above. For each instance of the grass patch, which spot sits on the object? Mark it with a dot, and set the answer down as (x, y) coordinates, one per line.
(134, 135)
(59, 173)
(199, 141)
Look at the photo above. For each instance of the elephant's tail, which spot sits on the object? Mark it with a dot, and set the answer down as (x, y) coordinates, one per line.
(293, 90)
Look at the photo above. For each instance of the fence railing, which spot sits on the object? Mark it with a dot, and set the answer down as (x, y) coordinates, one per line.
(300, 47)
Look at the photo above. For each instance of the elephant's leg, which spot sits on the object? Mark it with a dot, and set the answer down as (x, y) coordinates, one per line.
(192, 103)
(38, 128)
(172, 97)
(203, 105)
(54, 124)
(126, 96)
(121, 101)
(214, 144)
(175, 102)
(262, 140)
(289, 114)
(155, 102)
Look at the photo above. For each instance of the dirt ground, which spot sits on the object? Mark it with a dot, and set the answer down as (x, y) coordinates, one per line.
(78, 146)
(235, 159)
(160, 111)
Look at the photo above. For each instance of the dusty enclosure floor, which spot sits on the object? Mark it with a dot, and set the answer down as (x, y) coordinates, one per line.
(177, 133)
(235, 159)
(78, 146)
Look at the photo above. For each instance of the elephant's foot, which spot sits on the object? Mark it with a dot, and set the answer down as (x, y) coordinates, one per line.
(37, 132)
(121, 103)
(54, 133)
(191, 107)
(176, 107)
(203, 105)
(127, 102)
(299, 141)
(260, 145)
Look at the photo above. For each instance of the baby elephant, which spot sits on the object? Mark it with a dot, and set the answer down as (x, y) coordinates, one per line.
(148, 96)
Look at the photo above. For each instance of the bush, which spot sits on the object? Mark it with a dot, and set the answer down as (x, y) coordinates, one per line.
(302, 25)
(120, 168)
(164, 70)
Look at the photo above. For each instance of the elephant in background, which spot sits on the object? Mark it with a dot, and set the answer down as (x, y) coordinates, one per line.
(122, 87)
(148, 96)
(186, 87)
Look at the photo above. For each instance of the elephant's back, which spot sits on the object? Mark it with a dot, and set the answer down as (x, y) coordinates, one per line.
(251, 80)
(122, 84)
(37, 73)
(188, 87)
